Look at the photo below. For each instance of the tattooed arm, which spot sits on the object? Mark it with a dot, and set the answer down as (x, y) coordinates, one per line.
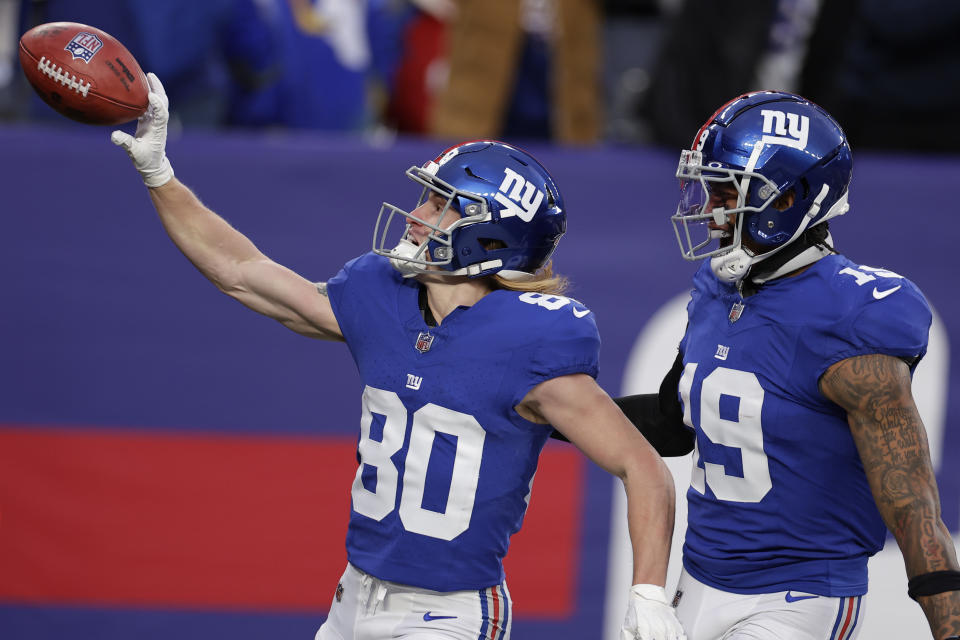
(875, 392)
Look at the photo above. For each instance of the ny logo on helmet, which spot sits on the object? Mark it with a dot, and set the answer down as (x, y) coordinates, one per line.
(790, 129)
(518, 196)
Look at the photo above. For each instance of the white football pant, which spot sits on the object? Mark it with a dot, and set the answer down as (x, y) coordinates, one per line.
(367, 608)
(710, 614)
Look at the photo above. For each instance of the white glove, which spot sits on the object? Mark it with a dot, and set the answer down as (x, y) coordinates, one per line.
(649, 616)
(147, 149)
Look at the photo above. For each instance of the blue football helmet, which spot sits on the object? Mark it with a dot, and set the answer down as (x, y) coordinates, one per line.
(511, 214)
(762, 144)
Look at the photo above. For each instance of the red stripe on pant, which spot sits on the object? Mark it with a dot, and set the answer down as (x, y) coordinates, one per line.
(495, 622)
(848, 604)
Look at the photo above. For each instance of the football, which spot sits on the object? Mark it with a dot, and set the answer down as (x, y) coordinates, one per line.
(83, 73)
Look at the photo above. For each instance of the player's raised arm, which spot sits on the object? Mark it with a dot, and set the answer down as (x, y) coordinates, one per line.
(579, 409)
(221, 253)
(892, 442)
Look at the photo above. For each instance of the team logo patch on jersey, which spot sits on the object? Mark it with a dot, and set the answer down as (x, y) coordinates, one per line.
(722, 352)
(424, 341)
(414, 382)
(735, 312)
(84, 46)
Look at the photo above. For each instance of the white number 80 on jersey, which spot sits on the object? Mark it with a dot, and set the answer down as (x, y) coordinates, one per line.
(427, 421)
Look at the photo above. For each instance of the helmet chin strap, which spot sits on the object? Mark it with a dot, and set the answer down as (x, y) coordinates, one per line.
(400, 257)
(804, 252)
(734, 267)
(802, 249)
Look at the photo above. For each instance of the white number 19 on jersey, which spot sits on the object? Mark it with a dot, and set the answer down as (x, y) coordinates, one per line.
(745, 434)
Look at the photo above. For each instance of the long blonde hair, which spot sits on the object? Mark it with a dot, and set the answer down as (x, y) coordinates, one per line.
(543, 281)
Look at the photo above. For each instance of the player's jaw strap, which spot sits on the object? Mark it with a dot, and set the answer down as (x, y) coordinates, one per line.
(812, 245)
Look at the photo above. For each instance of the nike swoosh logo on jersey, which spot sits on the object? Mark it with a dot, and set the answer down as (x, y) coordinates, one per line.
(428, 618)
(792, 598)
(880, 295)
(580, 312)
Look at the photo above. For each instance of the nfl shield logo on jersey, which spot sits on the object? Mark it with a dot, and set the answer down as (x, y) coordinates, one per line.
(424, 342)
(84, 46)
(735, 311)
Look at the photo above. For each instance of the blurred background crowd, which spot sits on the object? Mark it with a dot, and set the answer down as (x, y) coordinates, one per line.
(567, 71)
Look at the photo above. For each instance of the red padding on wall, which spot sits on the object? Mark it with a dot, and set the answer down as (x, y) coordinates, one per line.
(166, 519)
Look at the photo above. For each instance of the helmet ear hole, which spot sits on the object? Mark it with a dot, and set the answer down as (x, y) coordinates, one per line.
(785, 200)
(492, 244)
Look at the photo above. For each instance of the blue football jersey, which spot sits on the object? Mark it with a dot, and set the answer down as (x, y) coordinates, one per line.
(778, 498)
(446, 464)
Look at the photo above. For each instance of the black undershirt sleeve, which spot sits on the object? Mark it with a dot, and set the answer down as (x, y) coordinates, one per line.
(658, 416)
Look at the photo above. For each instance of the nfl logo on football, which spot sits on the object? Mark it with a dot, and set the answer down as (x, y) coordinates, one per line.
(424, 342)
(84, 46)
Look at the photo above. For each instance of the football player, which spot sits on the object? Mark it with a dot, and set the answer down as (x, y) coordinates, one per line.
(469, 356)
(793, 388)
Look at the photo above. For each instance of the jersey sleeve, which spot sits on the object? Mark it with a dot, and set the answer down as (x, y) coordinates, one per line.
(897, 325)
(704, 283)
(361, 280)
(565, 345)
(899, 329)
